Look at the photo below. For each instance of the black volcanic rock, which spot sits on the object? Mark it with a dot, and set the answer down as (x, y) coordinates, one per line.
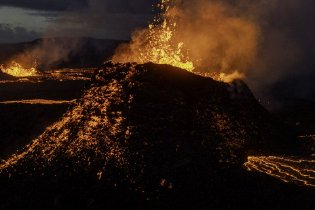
(4, 76)
(153, 128)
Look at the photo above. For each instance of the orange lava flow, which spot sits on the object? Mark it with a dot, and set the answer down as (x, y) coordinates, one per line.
(287, 169)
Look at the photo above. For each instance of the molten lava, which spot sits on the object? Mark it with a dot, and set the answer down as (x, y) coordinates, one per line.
(158, 45)
(17, 70)
(160, 48)
(287, 169)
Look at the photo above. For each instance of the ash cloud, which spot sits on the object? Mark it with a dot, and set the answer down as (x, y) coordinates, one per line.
(105, 19)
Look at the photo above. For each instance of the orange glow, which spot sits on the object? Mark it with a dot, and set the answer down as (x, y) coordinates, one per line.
(287, 169)
(17, 70)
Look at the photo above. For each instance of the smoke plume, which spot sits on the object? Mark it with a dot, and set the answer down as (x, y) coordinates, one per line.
(218, 37)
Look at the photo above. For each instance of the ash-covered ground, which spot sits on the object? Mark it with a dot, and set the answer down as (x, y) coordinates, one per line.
(141, 137)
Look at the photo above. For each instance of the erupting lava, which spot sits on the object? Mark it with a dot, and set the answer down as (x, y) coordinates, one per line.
(17, 70)
(158, 46)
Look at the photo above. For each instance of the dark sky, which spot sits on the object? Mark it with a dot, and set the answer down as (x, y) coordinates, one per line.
(45, 5)
(24, 20)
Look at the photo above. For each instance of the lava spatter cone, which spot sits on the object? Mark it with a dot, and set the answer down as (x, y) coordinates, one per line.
(150, 126)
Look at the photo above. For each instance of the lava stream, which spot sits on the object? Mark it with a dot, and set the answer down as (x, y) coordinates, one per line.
(288, 169)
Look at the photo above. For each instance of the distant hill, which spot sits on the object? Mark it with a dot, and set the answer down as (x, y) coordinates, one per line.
(89, 52)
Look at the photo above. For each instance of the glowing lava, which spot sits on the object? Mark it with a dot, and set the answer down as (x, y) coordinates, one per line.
(287, 169)
(158, 46)
(17, 70)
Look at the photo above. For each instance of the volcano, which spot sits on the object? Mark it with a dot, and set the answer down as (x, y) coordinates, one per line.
(145, 132)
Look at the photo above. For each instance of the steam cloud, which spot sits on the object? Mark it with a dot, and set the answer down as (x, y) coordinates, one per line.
(49, 52)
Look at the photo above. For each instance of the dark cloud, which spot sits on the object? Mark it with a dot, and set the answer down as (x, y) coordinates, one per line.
(100, 18)
(16, 34)
(287, 42)
(125, 6)
(47, 5)
(117, 6)
(50, 16)
(104, 19)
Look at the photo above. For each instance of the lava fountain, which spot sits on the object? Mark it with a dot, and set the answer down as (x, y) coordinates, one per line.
(158, 45)
(172, 38)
